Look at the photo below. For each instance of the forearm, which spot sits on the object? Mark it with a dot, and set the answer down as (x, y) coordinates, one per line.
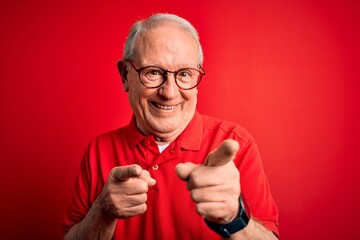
(254, 231)
(94, 226)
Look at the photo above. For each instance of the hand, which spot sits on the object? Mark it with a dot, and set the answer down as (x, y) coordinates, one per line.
(214, 186)
(124, 194)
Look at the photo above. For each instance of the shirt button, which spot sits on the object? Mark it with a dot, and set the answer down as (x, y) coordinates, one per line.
(155, 167)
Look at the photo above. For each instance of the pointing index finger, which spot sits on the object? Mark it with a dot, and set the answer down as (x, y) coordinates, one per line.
(124, 173)
(223, 154)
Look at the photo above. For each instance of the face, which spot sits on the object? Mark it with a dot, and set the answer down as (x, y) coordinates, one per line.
(165, 111)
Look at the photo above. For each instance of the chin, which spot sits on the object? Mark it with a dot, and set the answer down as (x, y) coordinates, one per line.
(165, 126)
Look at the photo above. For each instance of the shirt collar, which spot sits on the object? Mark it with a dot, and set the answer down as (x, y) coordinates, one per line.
(189, 139)
(134, 136)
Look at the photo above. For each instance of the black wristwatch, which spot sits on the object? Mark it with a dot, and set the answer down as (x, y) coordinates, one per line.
(236, 225)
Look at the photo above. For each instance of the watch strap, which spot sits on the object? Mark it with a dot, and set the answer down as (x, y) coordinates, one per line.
(225, 230)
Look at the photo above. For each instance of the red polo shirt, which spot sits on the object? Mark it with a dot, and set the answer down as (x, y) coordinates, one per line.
(171, 213)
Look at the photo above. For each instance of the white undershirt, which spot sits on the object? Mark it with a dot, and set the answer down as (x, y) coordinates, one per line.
(162, 147)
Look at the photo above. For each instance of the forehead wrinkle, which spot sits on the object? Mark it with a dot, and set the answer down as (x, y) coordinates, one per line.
(166, 51)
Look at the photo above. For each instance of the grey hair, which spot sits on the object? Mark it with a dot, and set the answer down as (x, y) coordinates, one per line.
(155, 21)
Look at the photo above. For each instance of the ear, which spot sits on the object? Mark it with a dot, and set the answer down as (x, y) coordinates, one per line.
(122, 68)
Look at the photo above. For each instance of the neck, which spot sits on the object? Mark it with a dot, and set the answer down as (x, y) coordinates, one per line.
(162, 138)
(166, 138)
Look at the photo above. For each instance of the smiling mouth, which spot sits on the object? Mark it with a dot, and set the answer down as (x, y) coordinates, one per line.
(164, 107)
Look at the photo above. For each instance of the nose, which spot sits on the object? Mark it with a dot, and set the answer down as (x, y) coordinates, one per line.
(169, 89)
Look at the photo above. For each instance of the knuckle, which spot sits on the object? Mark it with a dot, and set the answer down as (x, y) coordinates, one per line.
(143, 207)
(145, 173)
(142, 185)
(145, 197)
(194, 179)
(201, 210)
(136, 186)
(194, 195)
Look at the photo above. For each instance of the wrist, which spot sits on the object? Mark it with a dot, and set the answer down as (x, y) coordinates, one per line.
(226, 230)
(101, 209)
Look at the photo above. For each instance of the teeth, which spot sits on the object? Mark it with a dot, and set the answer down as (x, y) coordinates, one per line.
(164, 107)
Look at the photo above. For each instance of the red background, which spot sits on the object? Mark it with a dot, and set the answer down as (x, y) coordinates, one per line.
(288, 71)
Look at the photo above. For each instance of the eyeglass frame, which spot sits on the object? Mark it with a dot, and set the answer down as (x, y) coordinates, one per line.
(165, 74)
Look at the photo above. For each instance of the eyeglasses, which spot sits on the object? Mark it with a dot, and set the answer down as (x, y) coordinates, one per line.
(154, 76)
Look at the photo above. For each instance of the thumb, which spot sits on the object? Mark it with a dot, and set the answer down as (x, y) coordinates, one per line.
(183, 170)
(124, 173)
(223, 154)
(147, 178)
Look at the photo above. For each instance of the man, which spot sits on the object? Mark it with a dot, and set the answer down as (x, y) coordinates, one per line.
(172, 173)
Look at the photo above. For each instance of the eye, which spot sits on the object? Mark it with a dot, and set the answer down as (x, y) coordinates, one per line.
(185, 73)
(152, 72)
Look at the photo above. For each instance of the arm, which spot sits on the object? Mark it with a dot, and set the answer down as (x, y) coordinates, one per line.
(215, 188)
(95, 225)
(123, 196)
(255, 231)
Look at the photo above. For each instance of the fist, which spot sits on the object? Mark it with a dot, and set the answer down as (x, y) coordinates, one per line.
(125, 192)
(215, 185)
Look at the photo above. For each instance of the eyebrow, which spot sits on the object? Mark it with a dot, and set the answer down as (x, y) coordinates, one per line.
(160, 66)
